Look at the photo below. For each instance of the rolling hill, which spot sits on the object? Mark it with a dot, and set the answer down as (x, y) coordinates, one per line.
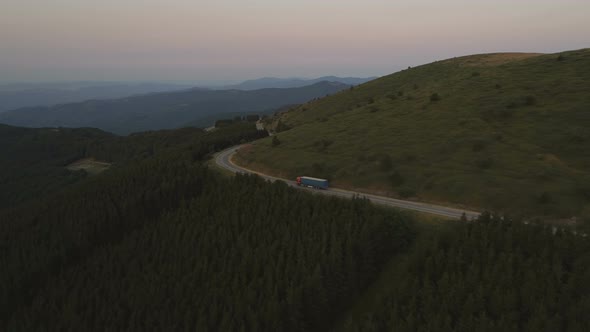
(13, 96)
(506, 131)
(165, 110)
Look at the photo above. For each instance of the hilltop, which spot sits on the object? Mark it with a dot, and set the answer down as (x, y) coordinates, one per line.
(505, 131)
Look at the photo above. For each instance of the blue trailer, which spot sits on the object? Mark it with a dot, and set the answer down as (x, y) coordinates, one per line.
(312, 182)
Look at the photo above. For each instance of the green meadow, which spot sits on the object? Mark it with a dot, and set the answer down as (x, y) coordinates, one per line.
(505, 132)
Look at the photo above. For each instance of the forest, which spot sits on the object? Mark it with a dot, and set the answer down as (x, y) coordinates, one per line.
(496, 274)
(162, 242)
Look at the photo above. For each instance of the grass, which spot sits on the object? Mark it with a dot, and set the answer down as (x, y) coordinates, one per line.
(505, 132)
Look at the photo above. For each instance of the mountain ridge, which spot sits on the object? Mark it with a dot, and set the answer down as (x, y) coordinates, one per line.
(267, 82)
(165, 110)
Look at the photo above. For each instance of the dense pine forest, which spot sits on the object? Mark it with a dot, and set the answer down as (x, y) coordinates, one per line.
(161, 242)
(495, 274)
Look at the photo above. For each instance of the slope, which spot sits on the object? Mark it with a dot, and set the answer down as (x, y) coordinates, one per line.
(498, 131)
(163, 110)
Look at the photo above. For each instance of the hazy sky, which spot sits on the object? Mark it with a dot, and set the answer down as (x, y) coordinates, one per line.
(231, 39)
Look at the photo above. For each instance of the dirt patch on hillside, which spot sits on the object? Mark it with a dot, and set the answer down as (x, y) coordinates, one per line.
(90, 165)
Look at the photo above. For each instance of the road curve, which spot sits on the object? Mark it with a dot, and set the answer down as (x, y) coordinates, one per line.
(223, 159)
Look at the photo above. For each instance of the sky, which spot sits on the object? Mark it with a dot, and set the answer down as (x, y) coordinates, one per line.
(219, 40)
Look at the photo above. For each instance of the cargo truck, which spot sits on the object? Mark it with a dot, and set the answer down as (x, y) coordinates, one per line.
(312, 182)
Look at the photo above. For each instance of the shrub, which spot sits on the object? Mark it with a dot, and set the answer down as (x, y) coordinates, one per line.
(400, 93)
(583, 191)
(475, 74)
(530, 100)
(281, 126)
(577, 137)
(275, 141)
(318, 167)
(505, 113)
(485, 163)
(321, 170)
(560, 58)
(396, 179)
(498, 86)
(478, 145)
(434, 97)
(323, 144)
(406, 192)
(544, 198)
(409, 157)
(385, 163)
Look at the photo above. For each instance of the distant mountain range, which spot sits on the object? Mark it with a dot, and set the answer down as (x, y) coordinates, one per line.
(273, 82)
(13, 96)
(168, 110)
(19, 95)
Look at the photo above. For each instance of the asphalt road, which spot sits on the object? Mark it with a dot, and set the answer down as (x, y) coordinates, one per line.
(223, 159)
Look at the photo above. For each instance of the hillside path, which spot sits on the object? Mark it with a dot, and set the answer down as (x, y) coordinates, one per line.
(224, 159)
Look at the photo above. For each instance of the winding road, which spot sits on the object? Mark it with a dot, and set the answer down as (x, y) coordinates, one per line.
(224, 160)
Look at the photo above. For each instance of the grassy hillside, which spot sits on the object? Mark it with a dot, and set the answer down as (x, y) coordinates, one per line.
(498, 131)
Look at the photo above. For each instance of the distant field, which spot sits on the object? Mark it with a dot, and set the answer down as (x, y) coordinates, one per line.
(90, 165)
(507, 132)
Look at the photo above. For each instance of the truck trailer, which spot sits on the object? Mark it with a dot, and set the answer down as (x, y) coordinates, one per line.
(312, 182)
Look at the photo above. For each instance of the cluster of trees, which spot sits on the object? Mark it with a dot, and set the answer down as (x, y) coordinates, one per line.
(164, 243)
(492, 275)
(240, 254)
(32, 160)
